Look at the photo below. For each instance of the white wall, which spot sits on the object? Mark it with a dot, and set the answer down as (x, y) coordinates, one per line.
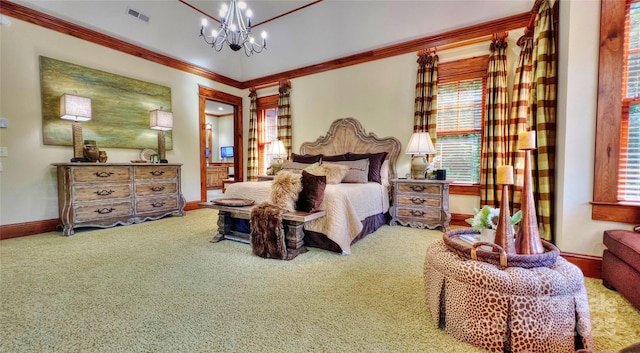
(225, 134)
(28, 190)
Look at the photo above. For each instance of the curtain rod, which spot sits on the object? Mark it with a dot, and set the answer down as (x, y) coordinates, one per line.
(457, 44)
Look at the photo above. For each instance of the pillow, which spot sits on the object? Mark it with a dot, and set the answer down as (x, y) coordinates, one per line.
(375, 163)
(384, 173)
(334, 172)
(285, 189)
(294, 166)
(307, 158)
(312, 193)
(334, 158)
(358, 170)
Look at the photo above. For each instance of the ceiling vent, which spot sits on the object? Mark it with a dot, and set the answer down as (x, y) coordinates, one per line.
(137, 14)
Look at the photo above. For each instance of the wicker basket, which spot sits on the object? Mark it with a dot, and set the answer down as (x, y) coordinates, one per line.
(471, 251)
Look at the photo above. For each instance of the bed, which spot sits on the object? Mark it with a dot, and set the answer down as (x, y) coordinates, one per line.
(353, 210)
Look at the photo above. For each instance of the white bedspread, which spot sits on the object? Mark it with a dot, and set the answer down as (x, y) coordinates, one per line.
(346, 205)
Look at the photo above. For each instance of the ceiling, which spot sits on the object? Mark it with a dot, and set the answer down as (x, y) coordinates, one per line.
(317, 33)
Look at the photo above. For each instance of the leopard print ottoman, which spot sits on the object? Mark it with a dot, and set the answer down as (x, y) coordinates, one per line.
(542, 309)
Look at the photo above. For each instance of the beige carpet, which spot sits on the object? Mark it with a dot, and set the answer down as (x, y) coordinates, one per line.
(163, 287)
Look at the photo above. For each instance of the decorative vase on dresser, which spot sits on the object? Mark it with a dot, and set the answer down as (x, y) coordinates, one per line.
(421, 203)
(107, 194)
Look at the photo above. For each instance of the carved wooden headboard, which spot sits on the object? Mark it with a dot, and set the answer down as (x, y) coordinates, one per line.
(348, 135)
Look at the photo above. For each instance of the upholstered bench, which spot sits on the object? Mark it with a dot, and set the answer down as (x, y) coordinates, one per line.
(621, 264)
(512, 309)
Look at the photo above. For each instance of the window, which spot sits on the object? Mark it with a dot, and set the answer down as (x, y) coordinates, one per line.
(616, 189)
(267, 129)
(629, 169)
(461, 87)
(459, 129)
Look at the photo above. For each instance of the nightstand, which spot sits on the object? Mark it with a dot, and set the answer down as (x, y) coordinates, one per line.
(421, 203)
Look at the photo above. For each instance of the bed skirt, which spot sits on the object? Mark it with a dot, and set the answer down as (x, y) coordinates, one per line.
(319, 240)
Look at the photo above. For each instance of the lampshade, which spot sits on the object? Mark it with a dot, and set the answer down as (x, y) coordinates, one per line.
(277, 149)
(75, 108)
(161, 120)
(420, 143)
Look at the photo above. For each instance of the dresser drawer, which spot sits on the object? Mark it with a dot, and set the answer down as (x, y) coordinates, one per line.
(420, 200)
(150, 189)
(409, 187)
(102, 174)
(156, 172)
(153, 204)
(98, 211)
(101, 192)
(423, 215)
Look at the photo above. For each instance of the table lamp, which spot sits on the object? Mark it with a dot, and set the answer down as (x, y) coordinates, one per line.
(162, 121)
(76, 109)
(420, 146)
(277, 151)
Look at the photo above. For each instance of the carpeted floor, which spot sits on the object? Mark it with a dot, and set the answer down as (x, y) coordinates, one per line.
(163, 287)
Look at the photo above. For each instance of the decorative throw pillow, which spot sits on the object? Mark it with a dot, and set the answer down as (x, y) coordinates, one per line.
(384, 173)
(312, 193)
(334, 158)
(334, 172)
(358, 170)
(307, 158)
(375, 163)
(285, 189)
(294, 166)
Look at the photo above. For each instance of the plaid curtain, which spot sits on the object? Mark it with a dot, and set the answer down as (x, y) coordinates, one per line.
(284, 116)
(426, 102)
(543, 117)
(518, 120)
(494, 139)
(252, 158)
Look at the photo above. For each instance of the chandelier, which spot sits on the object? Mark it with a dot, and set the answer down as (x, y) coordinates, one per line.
(233, 31)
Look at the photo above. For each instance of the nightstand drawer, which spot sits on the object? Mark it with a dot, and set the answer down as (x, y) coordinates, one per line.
(102, 174)
(410, 187)
(157, 189)
(419, 200)
(157, 172)
(98, 211)
(420, 214)
(101, 192)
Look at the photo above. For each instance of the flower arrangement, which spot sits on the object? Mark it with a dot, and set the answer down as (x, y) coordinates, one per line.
(487, 218)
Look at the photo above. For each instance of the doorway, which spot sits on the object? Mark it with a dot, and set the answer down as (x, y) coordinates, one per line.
(208, 155)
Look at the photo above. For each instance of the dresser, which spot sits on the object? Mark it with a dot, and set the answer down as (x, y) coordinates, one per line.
(215, 176)
(420, 203)
(107, 194)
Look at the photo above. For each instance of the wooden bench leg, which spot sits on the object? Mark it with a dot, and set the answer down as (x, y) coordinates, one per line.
(224, 226)
(294, 238)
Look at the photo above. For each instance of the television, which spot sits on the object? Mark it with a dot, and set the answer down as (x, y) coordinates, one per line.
(226, 152)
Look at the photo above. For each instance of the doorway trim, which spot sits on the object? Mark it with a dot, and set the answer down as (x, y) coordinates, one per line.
(238, 160)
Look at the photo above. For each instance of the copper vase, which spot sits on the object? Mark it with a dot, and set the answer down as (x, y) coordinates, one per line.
(528, 236)
(504, 231)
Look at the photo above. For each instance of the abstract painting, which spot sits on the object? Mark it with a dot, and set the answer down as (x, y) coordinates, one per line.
(120, 106)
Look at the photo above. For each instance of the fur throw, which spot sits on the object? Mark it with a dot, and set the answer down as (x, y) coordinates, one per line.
(267, 233)
(285, 189)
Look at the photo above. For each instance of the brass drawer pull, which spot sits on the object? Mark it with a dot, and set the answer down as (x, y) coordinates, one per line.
(417, 213)
(157, 188)
(103, 174)
(156, 172)
(105, 210)
(418, 200)
(104, 192)
(157, 204)
(417, 188)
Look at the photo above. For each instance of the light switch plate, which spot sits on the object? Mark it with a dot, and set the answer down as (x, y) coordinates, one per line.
(4, 122)
(4, 152)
